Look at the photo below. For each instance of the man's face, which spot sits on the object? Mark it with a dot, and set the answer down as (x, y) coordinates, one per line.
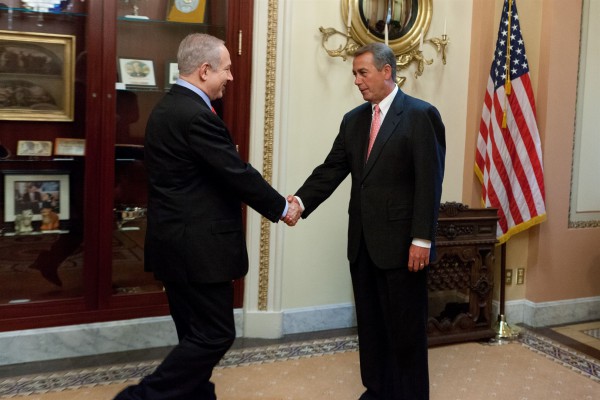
(219, 76)
(370, 81)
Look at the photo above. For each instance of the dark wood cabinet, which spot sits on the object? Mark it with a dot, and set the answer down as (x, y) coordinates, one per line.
(90, 267)
(461, 278)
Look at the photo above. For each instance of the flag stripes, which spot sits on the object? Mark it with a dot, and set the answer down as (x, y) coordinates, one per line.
(508, 159)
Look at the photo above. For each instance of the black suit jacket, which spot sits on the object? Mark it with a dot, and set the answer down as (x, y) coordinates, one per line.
(197, 182)
(395, 195)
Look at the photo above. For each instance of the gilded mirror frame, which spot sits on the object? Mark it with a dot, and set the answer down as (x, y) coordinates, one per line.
(361, 34)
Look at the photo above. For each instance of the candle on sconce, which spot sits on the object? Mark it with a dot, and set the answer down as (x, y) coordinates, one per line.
(444, 26)
(421, 41)
(349, 14)
(385, 31)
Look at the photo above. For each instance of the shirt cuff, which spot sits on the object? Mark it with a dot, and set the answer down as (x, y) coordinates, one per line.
(301, 203)
(285, 210)
(422, 243)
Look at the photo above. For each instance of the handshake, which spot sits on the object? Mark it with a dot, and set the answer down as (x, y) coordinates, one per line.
(294, 211)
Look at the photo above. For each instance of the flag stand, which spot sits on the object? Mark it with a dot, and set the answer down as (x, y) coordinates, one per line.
(503, 330)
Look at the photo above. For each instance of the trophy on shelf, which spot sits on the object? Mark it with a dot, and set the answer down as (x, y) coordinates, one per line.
(125, 214)
(136, 10)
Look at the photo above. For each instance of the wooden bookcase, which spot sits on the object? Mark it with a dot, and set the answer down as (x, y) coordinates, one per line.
(88, 269)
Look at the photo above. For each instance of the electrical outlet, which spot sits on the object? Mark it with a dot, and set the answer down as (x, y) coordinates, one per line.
(520, 276)
(508, 277)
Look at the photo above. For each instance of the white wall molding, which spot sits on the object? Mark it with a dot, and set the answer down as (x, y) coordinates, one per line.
(551, 312)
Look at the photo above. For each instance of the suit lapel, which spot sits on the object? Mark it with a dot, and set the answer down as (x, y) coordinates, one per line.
(388, 127)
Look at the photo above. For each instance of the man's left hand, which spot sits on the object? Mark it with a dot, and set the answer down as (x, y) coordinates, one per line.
(418, 258)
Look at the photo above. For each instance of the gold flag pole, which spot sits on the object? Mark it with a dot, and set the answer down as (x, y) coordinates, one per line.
(503, 330)
(507, 85)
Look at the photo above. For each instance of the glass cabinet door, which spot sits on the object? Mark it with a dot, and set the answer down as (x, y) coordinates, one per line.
(148, 37)
(42, 154)
(78, 79)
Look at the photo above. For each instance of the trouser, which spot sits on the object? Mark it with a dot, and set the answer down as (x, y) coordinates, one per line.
(391, 312)
(203, 316)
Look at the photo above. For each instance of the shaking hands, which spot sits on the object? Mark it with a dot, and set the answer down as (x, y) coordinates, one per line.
(294, 211)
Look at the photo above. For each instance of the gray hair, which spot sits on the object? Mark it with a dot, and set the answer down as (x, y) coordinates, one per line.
(197, 49)
(382, 55)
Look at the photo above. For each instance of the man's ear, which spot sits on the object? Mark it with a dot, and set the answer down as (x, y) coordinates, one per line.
(388, 71)
(203, 71)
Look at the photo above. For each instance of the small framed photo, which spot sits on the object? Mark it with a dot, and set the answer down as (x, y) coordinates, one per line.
(34, 148)
(172, 70)
(189, 11)
(136, 72)
(34, 193)
(69, 147)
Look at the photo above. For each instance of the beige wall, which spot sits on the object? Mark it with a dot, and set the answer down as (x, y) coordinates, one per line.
(313, 91)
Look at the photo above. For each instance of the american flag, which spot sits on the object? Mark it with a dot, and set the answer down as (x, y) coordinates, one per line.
(509, 153)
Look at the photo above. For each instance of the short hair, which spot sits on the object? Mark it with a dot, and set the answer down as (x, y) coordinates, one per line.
(197, 49)
(382, 55)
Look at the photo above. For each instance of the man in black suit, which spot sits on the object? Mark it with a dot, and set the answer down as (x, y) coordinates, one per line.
(394, 202)
(195, 238)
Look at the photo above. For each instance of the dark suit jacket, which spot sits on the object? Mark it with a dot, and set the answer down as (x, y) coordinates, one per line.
(395, 196)
(197, 182)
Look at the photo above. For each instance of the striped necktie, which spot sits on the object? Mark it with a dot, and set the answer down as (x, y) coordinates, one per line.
(375, 125)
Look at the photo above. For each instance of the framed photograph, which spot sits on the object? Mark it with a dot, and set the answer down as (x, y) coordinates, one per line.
(136, 72)
(34, 148)
(190, 11)
(32, 193)
(37, 76)
(69, 147)
(172, 71)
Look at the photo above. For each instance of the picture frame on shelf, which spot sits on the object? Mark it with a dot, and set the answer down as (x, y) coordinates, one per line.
(36, 148)
(188, 11)
(69, 147)
(136, 72)
(27, 193)
(42, 89)
(171, 73)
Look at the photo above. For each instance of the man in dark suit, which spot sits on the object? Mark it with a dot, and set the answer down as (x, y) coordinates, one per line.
(195, 238)
(32, 198)
(394, 202)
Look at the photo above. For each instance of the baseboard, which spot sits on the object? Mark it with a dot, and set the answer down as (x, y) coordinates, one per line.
(85, 339)
(551, 312)
(90, 339)
(313, 319)
(110, 337)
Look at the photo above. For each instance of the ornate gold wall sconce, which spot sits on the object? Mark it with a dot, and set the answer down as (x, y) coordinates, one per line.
(401, 24)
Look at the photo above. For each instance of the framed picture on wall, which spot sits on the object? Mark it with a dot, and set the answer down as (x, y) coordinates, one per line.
(31, 193)
(37, 75)
(136, 72)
